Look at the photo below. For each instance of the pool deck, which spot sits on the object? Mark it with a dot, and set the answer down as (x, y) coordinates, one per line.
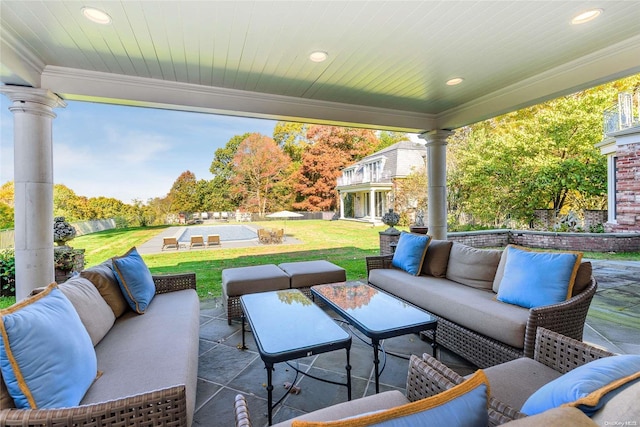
(154, 245)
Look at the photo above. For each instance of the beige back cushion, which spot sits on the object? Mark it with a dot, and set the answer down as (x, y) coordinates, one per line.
(105, 281)
(437, 258)
(583, 278)
(95, 314)
(473, 267)
(582, 281)
(499, 272)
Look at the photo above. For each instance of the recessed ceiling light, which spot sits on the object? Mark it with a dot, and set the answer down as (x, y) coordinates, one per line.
(318, 56)
(455, 81)
(586, 16)
(96, 15)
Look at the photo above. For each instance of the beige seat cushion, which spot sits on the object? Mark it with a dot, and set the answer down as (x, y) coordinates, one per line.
(258, 278)
(105, 281)
(557, 417)
(623, 407)
(475, 309)
(95, 314)
(513, 382)
(156, 350)
(376, 402)
(473, 267)
(308, 273)
(437, 258)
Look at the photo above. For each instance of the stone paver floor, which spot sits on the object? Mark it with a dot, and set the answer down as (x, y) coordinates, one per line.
(224, 370)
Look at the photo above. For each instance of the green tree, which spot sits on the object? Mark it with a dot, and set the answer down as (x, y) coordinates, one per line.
(536, 158)
(259, 164)
(222, 169)
(292, 137)
(6, 216)
(161, 208)
(410, 194)
(183, 193)
(66, 203)
(6, 205)
(387, 138)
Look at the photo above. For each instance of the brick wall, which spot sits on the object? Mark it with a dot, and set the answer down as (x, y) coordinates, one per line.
(627, 189)
(593, 218)
(481, 239)
(385, 241)
(587, 242)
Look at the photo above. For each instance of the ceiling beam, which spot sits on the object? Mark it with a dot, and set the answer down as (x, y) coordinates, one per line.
(82, 85)
(614, 62)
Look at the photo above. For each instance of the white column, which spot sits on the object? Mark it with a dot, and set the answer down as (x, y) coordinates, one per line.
(33, 178)
(341, 196)
(372, 204)
(437, 182)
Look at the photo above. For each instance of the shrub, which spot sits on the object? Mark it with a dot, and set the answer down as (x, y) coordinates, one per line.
(7, 273)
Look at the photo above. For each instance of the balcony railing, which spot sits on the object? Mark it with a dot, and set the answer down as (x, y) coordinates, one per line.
(624, 115)
(360, 179)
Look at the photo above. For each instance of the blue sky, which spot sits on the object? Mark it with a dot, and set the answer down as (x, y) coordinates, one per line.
(128, 152)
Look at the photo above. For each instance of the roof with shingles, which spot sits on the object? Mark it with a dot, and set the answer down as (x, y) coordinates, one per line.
(400, 158)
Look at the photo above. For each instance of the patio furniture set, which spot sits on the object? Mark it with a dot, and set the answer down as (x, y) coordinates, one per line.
(462, 287)
(270, 277)
(194, 242)
(434, 391)
(127, 355)
(268, 236)
(278, 303)
(521, 355)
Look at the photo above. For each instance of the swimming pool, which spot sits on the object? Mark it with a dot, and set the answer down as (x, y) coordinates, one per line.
(226, 232)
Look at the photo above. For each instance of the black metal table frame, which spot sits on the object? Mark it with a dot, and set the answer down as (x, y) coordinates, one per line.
(377, 337)
(269, 363)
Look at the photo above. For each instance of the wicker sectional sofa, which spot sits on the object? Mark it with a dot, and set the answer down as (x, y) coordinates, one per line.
(147, 363)
(458, 284)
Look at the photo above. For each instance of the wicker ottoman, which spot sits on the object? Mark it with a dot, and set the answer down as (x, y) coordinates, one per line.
(305, 274)
(248, 280)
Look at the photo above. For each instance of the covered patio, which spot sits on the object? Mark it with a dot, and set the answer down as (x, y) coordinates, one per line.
(423, 67)
(225, 371)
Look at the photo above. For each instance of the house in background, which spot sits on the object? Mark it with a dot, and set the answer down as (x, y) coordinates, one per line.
(621, 145)
(366, 187)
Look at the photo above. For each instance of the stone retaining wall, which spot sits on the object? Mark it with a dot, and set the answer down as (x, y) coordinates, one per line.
(588, 242)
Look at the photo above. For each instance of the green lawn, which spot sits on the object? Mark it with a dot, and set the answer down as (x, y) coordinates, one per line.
(344, 243)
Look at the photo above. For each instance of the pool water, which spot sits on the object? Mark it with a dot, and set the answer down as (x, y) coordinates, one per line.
(226, 232)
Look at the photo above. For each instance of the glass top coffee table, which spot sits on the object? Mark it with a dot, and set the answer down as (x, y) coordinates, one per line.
(287, 325)
(376, 314)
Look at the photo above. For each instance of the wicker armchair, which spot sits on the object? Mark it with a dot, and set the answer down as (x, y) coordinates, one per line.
(554, 350)
(566, 318)
(423, 380)
(159, 407)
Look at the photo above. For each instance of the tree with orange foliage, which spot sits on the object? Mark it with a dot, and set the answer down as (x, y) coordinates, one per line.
(331, 149)
(259, 165)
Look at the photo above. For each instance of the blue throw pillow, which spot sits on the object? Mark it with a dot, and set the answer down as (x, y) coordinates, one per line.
(587, 387)
(535, 279)
(46, 355)
(135, 280)
(464, 405)
(410, 252)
